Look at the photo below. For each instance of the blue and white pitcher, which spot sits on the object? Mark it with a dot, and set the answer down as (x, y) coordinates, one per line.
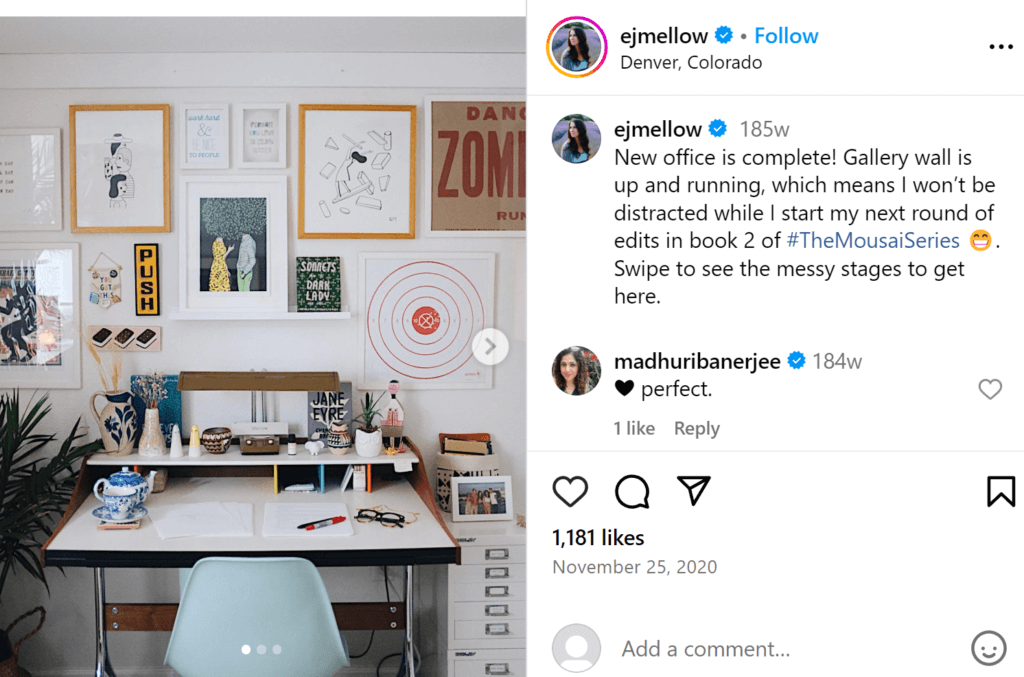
(117, 422)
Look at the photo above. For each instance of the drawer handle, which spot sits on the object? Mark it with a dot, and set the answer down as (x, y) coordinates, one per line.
(496, 553)
(496, 610)
(496, 629)
(496, 572)
(496, 669)
(496, 591)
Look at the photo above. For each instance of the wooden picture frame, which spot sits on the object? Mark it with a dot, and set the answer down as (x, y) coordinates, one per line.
(261, 135)
(204, 131)
(31, 186)
(447, 210)
(357, 171)
(120, 168)
(496, 490)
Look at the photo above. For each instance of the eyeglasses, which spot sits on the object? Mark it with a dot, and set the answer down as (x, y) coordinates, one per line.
(388, 519)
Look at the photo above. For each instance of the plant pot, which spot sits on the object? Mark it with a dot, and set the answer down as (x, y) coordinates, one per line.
(116, 422)
(369, 445)
(152, 441)
(9, 665)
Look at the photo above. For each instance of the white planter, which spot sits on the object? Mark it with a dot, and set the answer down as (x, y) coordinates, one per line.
(369, 445)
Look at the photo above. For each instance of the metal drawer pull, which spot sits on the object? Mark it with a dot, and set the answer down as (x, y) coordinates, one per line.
(496, 591)
(496, 669)
(496, 553)
(496, 610)
(496, 629)
(496, 572)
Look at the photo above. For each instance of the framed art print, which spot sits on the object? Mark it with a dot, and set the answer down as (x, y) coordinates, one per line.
(120, 168)
(357, 171)
(420, 314)
(204, 129)
(30, 180)
(39, 345)
(261, 136)
(234, 244)
(476, 166)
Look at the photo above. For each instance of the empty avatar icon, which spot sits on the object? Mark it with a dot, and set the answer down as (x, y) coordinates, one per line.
(576, 648)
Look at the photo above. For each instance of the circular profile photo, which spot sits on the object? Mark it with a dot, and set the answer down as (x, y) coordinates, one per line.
(576, 47)
(576, 138)
(576, 370)
(576, 648)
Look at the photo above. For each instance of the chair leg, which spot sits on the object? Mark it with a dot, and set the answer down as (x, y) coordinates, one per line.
(410, 672)
(103, 667)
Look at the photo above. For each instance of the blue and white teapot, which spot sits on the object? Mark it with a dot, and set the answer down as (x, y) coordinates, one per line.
(129, 488)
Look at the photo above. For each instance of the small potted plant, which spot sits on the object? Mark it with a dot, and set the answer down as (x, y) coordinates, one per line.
(369, 439)
(151, 388)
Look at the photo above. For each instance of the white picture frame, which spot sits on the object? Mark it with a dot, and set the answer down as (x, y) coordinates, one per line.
(261, 130)
(266, 198)
(31, 187)
(427, 169)
(205, 133)
(457, 303)
(40, 281)
(496, 490)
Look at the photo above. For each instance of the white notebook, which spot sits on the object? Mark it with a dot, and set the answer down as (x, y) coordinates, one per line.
(283, 519)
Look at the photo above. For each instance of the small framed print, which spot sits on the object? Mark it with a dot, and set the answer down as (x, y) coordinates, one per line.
(261, 136)
(120, 168)
(482, 499)
(30, 180)
(234, 244)
(39, 316)
(204, 129)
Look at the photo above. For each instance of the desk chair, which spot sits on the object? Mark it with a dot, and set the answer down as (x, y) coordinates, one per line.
(255, 617)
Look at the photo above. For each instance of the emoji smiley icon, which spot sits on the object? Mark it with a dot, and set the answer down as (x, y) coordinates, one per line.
(981, 240)
(989, 647)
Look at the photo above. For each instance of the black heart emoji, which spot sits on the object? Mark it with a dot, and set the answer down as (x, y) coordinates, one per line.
(624, 387)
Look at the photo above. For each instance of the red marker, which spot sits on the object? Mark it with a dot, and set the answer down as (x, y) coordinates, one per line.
(322, 523)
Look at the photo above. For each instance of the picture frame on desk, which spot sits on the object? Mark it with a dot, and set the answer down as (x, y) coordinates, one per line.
(482, 499)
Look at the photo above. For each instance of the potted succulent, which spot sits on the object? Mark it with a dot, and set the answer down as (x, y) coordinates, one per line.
(37, 488)
(369, 439)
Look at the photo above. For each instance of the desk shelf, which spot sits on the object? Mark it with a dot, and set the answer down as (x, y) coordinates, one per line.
(234, 456)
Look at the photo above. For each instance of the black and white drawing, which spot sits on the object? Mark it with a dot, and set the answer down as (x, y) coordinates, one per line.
(117, 170)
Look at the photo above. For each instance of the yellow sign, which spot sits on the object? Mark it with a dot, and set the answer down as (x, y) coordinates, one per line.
(147, 283)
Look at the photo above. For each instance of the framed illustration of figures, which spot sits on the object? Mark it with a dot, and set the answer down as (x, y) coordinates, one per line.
(39, 345)
(30, 180)
(475, 166)
(120, 168)
(420, 315)
(234, 244)
(357, 171)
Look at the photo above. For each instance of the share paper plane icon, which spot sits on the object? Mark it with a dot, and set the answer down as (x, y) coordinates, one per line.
(695, 484)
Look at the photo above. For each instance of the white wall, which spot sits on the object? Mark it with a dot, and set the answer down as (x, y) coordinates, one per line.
(49, 64)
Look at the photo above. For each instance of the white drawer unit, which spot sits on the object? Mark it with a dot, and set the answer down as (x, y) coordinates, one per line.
(486, 611)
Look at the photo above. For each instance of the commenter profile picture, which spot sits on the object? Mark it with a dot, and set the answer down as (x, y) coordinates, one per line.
(576, 138)
(576, 47)
(576, 370)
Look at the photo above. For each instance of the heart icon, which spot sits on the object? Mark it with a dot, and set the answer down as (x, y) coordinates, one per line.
(624, 387)
(990, 387)
(570, 490)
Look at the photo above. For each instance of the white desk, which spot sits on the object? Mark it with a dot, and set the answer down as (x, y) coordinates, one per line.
(77, 541)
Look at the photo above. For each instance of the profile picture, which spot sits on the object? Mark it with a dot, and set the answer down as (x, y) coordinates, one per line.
(576, 370)
(576, 138)
(576, 46)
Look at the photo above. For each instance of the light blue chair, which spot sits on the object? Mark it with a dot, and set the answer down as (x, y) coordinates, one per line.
(255, 617)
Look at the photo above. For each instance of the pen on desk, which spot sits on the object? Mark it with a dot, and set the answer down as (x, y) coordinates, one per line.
(309, 526)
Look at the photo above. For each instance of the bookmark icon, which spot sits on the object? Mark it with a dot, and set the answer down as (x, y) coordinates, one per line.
(695, 485)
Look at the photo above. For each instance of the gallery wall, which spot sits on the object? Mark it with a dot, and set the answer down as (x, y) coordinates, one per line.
(50, 64)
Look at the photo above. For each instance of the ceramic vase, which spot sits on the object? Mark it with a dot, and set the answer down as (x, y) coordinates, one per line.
(369, 445)
(116, 421)
(152, 441)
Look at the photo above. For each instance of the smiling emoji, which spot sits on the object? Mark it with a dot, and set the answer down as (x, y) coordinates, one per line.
(981, 240)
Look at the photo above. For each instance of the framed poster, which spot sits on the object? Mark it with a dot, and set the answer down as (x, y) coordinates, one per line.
(234, 243)
(421, 312)
(39, 346)
(204, 129)
(357, 171)
(30, 180)
(120, 168)
(476, 166)
(261, 135)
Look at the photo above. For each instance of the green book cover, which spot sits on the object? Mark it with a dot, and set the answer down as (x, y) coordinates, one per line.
(318, 281)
